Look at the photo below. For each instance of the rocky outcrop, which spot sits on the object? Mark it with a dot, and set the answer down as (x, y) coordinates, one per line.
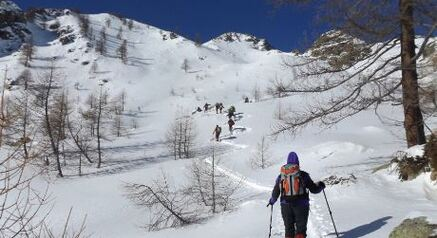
(13, 31)
(415, 228)
(256, 43)
(340, 50)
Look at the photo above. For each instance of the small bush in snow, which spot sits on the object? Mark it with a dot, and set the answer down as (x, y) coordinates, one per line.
(410, 166)
(261, 157)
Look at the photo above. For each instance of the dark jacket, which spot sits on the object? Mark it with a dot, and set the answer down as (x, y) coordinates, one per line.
(307, 182)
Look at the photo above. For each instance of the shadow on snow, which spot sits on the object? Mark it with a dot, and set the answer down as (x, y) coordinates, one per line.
(365, 229)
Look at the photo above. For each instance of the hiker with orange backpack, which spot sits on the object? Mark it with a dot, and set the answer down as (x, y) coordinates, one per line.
(292, 187)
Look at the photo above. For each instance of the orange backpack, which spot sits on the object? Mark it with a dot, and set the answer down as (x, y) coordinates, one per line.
(291, 182)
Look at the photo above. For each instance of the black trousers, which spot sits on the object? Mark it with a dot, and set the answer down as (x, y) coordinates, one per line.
(295, 219)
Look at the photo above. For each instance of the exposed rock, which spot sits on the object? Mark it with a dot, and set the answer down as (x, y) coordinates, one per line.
(13, 30)
(414, 228)
(256, 43)
(68, 39)
(334, 180)
(340, 50)
(10, 13)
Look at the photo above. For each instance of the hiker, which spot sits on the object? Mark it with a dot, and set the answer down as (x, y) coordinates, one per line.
(198, 109)
(246, 100)
(205, 107)
(231, 123)
(221, 108)
(231, 112)
(292, 187)
(217, 132)
(217, 108)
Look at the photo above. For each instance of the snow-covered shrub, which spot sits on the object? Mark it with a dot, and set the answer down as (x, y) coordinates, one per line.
(410, 166)
(414, 228)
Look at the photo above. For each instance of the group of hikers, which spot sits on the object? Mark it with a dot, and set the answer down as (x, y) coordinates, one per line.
(218, 108)
(292, 185)
(231, 122)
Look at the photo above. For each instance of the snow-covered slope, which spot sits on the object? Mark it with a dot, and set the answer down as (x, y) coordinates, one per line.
(166, 73)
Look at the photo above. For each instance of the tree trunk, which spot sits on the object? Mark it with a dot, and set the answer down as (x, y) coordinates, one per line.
(413, 120)
(99, 115)
(213, 181)
(48, 125)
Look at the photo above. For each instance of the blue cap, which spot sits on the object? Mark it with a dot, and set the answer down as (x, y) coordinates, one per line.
(292, 158)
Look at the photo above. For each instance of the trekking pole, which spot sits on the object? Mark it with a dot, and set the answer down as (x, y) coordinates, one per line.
(330, 213)
(271, 219)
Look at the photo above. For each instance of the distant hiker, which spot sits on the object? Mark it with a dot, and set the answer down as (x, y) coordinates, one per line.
(217, 108)
(246, 100)
(231, 112)
(292, 187)
(221, 107)
(198, 109)
(217, 132)
(231, 123)
(206, 107)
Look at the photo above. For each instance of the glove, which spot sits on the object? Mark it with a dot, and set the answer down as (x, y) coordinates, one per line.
(321, 185)
(271, 202)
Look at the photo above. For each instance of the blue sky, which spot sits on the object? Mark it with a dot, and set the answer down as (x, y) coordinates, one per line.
(285, 28)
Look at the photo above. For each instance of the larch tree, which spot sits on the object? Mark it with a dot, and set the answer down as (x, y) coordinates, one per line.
(369, 74)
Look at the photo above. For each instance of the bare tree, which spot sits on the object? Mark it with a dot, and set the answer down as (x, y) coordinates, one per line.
(185, 66)
(51, 124)
(21, 124)
(67, 230)
(19, 202)
(256, 93)
(84, 24)
(279, 112)
(81, 139)
(101, 112)
(59, 111)
(101, 43)
(3, 118)
(122, 51)
(94, 67)
(108, 22)
(169, 207)
(90, 113)
(368, 80)
(211, 187)
(27, 52)
(123, 97)
(130, 24)
(261, 158)
(181, 137)
(120, 33)
(118, 126)
(25, 78)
